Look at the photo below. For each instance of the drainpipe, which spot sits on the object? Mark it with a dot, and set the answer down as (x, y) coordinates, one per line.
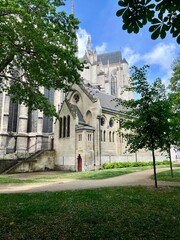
(99, 120)
(94, 150)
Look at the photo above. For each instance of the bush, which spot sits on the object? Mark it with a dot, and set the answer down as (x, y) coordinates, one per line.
(132, 164)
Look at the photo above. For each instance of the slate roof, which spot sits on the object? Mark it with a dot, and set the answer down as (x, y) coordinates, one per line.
(112, 57)
(107, 101)
(85, 127)
(75, 110)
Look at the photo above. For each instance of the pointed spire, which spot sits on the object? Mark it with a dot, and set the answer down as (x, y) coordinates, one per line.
(72, 7)
(89, 43)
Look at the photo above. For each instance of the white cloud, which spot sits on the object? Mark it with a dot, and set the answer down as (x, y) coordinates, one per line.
(160, 58)
(82, 36)
(130, 55)
(101, 48)
(162, 55)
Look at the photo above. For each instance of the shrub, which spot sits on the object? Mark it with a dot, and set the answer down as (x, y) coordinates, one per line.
(131, 164)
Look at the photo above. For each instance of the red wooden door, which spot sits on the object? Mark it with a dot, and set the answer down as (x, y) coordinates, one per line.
(79, 164)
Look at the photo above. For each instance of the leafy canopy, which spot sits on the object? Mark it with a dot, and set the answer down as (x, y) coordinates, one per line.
(174, 96)
(163, 16)
(38, 50)
(146, 118)
(147, 124)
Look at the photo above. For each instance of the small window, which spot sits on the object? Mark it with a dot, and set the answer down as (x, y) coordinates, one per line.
(111, 122)
(80, 137)
(102, 121)
(89, 137)
(76, 98)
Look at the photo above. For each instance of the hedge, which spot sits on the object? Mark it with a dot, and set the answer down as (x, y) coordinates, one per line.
(132, 164)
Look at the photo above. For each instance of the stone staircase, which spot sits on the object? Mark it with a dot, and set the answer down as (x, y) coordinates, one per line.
(40, 161)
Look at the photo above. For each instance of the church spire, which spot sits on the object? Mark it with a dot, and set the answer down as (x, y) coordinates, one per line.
(72, 7)
(89, 43)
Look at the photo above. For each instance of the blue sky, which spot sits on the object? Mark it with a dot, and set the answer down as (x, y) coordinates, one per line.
(98, 19)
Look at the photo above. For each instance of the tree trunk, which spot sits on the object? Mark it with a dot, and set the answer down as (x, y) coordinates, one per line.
(154, 165)
(170, 160)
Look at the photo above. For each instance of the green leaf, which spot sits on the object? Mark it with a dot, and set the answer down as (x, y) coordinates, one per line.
(156, 33)
(163, 32)
(178, 39)
(120, 12)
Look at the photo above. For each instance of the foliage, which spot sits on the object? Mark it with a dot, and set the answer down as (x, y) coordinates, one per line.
(174, 97)
(37, 51)
(162, 15)
(132, 164)
(114, 213)
(146, 123)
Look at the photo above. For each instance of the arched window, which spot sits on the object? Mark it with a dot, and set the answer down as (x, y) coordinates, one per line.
(68, 126)
(60, 128)
(64, 126)
(104, 136)
(103, 121)
(113, 83)
(110, 136)
(111, 122)
(13, 116)
(48, 122)
(113, 137)
(89, 117)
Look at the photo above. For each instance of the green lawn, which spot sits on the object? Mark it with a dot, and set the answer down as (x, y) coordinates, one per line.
(135, 213)
(166, 176)
(101, 174)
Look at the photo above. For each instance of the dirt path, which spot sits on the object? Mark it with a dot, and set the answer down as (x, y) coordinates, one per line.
(132, 179)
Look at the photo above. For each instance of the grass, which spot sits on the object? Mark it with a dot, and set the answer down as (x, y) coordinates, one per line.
(92, 175)
(166, 176)
(135, 213)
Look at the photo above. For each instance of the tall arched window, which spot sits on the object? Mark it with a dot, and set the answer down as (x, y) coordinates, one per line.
(104, 136)
(32, 121)
(13, 116)
(113, 83)
(60, 128)
(68, 126)
(113, 137)
(64, 126)
(48, 122)
(89, 117)
(110, 136)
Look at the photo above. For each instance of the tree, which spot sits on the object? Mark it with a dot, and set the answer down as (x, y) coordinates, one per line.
(38, 49)
(174, 97)
(162, 15)
(174, 87)
(145, 124)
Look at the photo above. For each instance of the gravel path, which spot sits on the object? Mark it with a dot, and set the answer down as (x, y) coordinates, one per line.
(141, 178)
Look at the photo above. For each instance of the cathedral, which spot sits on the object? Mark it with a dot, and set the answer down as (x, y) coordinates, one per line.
(85, 136)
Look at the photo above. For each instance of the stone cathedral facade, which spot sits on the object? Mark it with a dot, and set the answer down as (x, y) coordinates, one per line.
(86, 136)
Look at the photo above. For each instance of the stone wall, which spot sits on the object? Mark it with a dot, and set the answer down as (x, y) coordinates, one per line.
(43, 161)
